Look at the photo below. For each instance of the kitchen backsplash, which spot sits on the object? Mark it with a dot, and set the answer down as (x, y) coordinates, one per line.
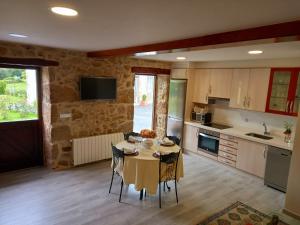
(251, 119)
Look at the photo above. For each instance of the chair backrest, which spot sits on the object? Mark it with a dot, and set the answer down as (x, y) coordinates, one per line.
(117, 155)
(169, 158)
(126, 135)
(175, 139)
(171, 161)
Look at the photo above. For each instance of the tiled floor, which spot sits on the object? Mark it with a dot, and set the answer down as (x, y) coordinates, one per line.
(80, 196)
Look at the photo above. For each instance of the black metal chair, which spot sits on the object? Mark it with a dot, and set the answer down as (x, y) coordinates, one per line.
(134, 134)
(175, 139)
(117, 155)
(171, 162)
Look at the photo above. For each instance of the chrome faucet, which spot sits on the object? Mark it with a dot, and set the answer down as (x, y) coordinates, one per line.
(266, 129)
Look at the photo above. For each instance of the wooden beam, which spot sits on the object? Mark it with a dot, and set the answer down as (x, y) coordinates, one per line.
(27, 62)
(257, 33)
(150, 70)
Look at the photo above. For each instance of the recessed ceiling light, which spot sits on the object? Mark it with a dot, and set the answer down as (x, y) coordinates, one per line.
(64, 11)
(181, 58)
(18, 35)
(255, 52)
(145, 53)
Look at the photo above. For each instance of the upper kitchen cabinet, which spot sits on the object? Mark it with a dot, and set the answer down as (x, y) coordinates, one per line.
(284, 91)
(239, 88)
(211, 83)
(249, 89)
(220, 83)
(295, 107)
(201, 84)
(257, 89)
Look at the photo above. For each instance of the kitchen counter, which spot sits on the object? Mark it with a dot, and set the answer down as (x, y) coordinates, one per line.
(240, 132)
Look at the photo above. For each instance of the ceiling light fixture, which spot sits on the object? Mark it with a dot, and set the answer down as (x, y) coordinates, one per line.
(18, 35)
(145, 53)
(181, 58)
(255, 52)
(64, 11)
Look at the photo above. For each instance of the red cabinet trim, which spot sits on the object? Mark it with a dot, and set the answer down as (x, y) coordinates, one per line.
(291, 91)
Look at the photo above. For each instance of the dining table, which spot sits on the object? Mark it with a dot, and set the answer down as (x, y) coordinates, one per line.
(142, 167)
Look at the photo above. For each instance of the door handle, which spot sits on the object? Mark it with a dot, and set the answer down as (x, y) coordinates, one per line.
(208, 136)
(292, 106)
(265, 151)
(287, 106)
(248, 102)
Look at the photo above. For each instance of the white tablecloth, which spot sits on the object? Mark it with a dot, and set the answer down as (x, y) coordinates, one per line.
(143, 170)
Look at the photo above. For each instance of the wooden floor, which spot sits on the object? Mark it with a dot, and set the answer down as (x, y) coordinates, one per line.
(80, 196)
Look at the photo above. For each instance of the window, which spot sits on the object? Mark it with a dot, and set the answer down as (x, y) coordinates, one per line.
(144, 88)
(18, 94)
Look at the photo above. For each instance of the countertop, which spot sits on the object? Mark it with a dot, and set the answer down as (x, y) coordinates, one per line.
(240, 132)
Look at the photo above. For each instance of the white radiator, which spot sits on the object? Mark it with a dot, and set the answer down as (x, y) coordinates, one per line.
(95, 148)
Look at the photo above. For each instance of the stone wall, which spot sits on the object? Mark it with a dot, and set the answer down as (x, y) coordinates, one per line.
(162, 95)
(61, 95)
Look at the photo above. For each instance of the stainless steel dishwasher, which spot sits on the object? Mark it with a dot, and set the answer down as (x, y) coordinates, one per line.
(277, 168)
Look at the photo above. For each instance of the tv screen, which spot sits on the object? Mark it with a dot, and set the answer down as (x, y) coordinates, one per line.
(92, 88)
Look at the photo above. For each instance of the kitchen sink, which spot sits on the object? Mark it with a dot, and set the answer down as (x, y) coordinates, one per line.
(259, 136)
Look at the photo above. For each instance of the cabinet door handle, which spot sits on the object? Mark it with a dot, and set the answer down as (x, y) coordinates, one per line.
(248, 102)
(287, 106)
(244, 102)
(265, 151)
(292, 106)
(206, 97)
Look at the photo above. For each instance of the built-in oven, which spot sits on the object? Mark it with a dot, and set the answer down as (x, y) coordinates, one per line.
(208, 141)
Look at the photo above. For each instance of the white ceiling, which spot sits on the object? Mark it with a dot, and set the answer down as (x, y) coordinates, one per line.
(107, 24)
(270, 51)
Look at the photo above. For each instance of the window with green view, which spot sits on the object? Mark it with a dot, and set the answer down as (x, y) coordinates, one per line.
(18, 94)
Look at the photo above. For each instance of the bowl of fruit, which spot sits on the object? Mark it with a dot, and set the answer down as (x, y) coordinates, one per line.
(146, 133)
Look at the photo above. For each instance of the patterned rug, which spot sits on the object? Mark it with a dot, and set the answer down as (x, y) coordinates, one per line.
(239, 214)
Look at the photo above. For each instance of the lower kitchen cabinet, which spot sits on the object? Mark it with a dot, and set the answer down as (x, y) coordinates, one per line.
(251, 157)
(190, 138)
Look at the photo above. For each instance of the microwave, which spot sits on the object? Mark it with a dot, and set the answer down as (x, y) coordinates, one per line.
(202, 118)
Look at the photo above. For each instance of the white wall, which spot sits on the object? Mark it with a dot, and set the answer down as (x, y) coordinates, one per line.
(292, 203)
(251, 119)
(259, 63)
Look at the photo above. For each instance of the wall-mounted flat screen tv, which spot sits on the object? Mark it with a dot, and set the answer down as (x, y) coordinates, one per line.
(98, 88)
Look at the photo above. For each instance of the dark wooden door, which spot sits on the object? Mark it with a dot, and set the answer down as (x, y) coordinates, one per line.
(20, 118)
(20, 145)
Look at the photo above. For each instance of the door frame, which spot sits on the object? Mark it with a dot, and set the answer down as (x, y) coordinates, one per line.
(39, 102)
